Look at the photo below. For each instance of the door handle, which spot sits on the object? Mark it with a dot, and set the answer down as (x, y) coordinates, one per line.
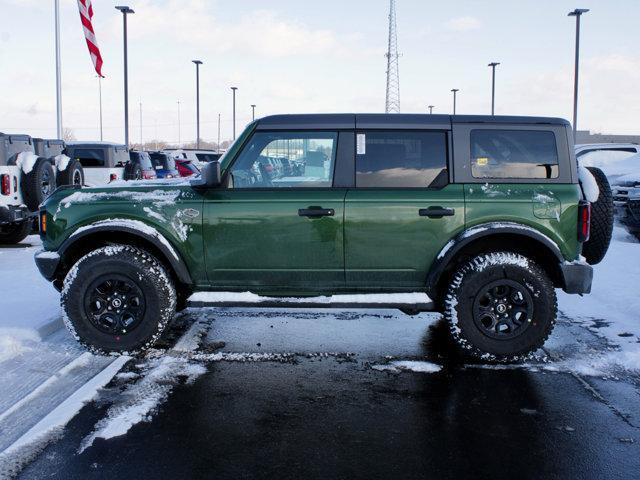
(316, 212)
(436, 212)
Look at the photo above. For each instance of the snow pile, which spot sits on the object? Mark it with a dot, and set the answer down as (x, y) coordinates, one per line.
(377, 298)
(408, 365)
(615, 166)
(13, 341)
(589, 184)
(61, 161)
(26, 161)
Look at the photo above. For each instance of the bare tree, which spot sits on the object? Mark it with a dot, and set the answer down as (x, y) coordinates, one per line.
(68, 135)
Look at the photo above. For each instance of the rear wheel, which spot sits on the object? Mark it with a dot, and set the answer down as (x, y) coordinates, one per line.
(500, 306)
(13, 233)
(118, 299)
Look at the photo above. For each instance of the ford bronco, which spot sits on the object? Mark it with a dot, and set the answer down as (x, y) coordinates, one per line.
(484, 215)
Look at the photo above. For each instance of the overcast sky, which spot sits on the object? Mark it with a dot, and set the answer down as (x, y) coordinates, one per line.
(315, 56)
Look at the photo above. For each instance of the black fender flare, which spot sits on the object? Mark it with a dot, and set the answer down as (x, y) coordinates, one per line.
(147, 234)
(464, 238)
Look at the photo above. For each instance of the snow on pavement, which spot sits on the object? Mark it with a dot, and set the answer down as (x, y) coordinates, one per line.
(29, 302)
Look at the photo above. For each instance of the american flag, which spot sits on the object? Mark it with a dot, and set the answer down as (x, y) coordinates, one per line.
(86, 14)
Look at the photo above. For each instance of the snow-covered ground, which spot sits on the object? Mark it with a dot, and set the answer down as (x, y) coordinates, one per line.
(45, 377)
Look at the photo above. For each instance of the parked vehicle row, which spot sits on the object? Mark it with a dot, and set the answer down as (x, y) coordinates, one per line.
(32, 168)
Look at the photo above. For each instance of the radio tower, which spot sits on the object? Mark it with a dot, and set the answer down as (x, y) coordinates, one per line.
(392, 104)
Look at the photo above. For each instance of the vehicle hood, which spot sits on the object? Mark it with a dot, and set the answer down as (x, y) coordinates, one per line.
(160, 192)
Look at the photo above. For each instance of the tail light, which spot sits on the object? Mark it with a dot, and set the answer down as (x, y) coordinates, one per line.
(43, 222)
(6, 184)
(584, 221)
(113, 177)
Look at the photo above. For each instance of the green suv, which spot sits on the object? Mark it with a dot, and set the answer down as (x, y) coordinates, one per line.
(483, 215)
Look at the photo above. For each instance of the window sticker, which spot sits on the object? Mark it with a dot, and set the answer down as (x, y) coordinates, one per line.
(361, 143)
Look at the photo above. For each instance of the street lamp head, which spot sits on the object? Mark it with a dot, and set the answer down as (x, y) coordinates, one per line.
(577, 12)
(124, 9)
(493, 64)
(197, 62)
(234, 88)
(253, 106)
(454, 90)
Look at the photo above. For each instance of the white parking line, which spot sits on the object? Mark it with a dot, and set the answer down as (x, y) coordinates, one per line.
(79, 361)
(64, 412)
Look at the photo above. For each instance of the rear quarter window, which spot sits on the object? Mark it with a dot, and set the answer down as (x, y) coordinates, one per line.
(89, 157)
(516, 154)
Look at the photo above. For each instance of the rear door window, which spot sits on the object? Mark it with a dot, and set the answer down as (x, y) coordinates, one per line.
(90, 157)
(396, 159)
(517, 154)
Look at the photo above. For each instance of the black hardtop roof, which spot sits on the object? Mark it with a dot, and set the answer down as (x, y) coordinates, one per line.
(96, 145)
(16, 137)
(49, 141)
(406, 120)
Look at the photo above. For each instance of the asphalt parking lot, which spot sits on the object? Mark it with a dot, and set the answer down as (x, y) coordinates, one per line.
(249, 393)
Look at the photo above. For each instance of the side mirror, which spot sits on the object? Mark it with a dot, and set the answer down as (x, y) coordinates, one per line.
(210, 176)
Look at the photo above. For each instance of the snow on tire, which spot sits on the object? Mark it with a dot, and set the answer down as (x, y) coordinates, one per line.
(118, 299)
(500, 306)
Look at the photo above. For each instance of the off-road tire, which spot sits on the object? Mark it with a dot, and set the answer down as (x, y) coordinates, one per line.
(72, 175)
(38, 184)
(132, 171)
(467, 283)
(13, 233)
(601, 220)
(138, 267)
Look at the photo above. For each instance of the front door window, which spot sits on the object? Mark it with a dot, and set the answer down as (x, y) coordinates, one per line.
(286, 160)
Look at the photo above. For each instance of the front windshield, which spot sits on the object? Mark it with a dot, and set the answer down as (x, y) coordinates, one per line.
(235, 147)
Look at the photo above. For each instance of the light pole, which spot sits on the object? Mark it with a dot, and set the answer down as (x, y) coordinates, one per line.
(253, 113)
(179, 140)
(125, 11)
(576, 13)
(455, 92)
(430, 107)
(493, 66)
(198, 63)
(100, 101)
(234, 111)
(218, 133)
(58, 74)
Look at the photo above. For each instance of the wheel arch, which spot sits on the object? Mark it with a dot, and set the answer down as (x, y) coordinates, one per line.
(93, 237)
(494, 237)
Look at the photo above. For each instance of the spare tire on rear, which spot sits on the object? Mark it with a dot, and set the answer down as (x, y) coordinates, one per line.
(601, 220)
(132, 171)
(72, 175)
(38, 184)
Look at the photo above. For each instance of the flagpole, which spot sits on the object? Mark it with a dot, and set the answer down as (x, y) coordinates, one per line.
(58, 76)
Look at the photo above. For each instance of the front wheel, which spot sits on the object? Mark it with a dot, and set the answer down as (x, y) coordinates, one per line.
(118, 299)
(500, 306)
